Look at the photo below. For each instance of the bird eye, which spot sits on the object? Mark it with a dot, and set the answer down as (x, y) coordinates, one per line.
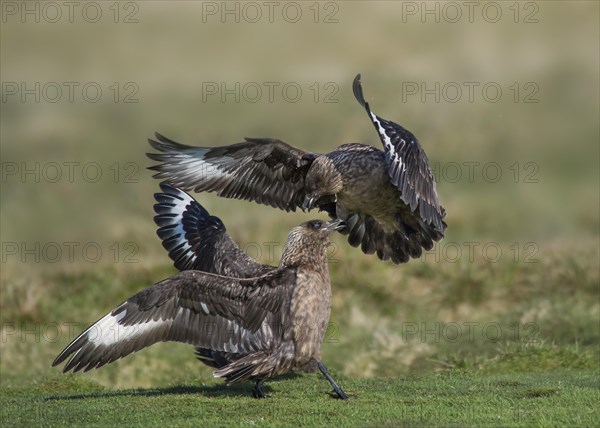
(316, 224)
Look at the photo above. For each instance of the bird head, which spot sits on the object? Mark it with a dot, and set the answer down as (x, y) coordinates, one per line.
(323, 181)
(308, 242)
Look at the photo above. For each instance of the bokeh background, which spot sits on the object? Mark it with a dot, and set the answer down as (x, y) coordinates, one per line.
(517, 172)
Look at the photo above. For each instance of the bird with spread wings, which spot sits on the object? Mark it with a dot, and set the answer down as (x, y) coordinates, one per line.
(248, 321)
(388, 199)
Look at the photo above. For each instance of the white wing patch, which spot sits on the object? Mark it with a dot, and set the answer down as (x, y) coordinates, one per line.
(194, 166)
(387, 141)
(204, 308)
(108, 331)
(178, 209)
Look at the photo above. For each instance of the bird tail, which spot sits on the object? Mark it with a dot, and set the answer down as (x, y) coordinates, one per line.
(216, 359)
(246, 368)
(259, 365)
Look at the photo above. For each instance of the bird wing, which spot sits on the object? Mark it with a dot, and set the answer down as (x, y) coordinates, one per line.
(399, 245)
(408, 166)
(202, 309)
(263, 170)
(196, 240)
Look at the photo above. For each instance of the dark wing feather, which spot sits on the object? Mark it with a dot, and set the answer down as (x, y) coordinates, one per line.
(210, 311)
(196, 240)
(398, 246)
(384, 224)
(408, 166)
(263, 170)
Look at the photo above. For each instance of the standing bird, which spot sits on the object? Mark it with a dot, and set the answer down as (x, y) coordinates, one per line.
(262, 326)
(388, 199)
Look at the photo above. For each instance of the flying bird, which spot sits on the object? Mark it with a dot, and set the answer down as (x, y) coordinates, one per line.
(387, 199)
(251, 328)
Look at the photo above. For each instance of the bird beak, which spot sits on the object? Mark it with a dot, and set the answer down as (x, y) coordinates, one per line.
(334, 225)
(309, 203)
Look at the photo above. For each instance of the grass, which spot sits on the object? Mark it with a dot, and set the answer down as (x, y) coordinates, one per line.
(566, 397)
(444, 340)
(399, 365)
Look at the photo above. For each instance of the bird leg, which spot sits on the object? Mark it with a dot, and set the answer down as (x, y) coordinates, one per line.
(257, 392)
(333, 383)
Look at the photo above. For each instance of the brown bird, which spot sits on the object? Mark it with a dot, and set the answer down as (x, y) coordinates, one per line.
(388, 199)
(260, 327)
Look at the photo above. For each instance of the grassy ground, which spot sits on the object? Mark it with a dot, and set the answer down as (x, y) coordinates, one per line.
(499, 325)
(566, 397)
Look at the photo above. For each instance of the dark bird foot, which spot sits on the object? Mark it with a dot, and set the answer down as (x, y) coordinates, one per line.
(339, 394)
(257, 392)
(339, 391)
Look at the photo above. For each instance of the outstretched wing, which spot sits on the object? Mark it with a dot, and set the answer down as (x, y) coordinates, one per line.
(408, 166)
(196, 240)
(210, 311)
(263, 170)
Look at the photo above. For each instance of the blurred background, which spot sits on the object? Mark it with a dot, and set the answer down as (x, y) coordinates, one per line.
(503, 96)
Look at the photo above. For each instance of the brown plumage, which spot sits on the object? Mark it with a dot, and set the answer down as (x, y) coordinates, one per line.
(388, 199)
(258, 327)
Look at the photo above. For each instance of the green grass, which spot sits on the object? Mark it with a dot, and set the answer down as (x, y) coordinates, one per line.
(542, 370)
(566, 397)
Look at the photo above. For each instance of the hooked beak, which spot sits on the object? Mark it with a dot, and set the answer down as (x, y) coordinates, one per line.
(334, 225)
(309, 203)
